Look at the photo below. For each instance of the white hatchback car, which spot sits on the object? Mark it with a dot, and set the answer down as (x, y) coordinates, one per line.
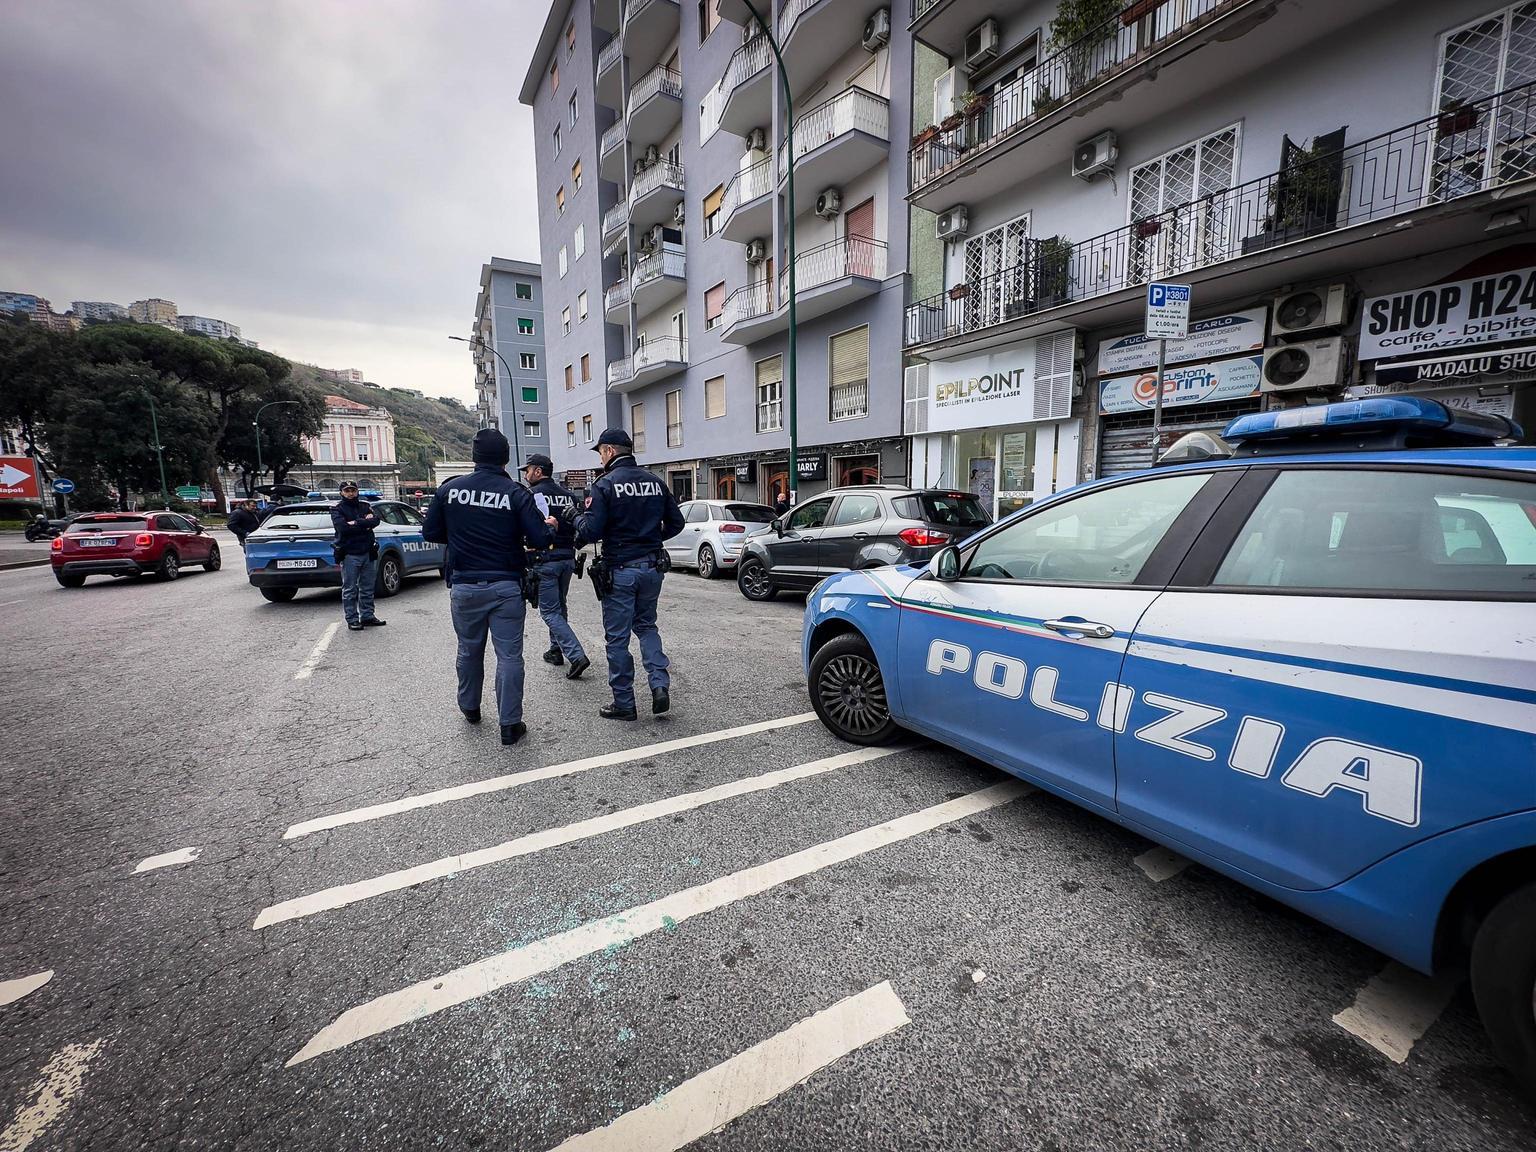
(713, 532)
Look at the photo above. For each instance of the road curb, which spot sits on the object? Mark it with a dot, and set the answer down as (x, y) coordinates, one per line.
(23, 564)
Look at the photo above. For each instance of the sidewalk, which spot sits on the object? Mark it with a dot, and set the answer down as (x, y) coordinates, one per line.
(15, 552)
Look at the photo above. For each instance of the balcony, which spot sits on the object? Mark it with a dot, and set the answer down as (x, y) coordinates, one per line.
(658, 277)
(616, 302)
(615, 228)
(1422, 188)
(828, 277)
(610, 153)
(608, 14)
(655, 104)
(746, 212)
(649, 26)
(610, 76)
(654, 360)
(751, 313)
(655, 194)
(836, 142)
(815, 34)
(974, 154)
(744, 96)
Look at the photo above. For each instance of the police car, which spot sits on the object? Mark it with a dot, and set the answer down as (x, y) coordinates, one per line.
(1310, 666)
(292, 549)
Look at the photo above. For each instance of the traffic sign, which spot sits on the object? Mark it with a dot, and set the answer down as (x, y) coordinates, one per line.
(18, 478)
(1167, 311)
(188, 492)
(63, 486)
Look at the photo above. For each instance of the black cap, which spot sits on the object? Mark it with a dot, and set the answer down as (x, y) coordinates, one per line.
(490, 447)
(539, 460)
(617, 437)
(345, 484)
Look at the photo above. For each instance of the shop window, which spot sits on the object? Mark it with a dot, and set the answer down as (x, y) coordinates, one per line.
(858, 470)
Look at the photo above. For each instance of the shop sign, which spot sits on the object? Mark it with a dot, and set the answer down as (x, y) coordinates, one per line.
(811, 467)
(1507, 366)
(982, 391)
(1501, 403)
(1210, 339)
(746, 472)
(1184, 385)
(1487, 310)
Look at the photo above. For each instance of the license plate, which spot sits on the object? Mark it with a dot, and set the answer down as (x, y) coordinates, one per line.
(97, 542)
(298, 563)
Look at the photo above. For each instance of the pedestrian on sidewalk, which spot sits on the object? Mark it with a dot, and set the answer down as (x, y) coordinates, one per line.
(556, 565)
(489, 522)
(358, 554)
(242, 520)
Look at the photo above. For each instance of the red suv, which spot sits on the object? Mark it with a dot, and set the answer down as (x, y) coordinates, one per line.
(131, 544)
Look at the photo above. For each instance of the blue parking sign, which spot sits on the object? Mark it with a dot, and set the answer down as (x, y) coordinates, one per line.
(1167, 311)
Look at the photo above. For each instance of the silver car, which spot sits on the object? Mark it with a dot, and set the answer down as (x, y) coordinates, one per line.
(713, 533)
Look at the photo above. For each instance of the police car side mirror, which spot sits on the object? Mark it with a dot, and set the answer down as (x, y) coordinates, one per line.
(945, 564)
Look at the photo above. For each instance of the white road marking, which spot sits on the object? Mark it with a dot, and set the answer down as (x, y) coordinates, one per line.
(1160, 864)
(52, 1095)
(344, 894)
(514, 779)
(485, 976)
(1395, 1008)
(13, 990)
(166, 859)
(307, 669)
(712, 1099)
(8, 603)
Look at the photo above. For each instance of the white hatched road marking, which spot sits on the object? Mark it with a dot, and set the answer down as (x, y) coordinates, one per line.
(307, 669)
(482, 977)
(1160, 864)
(712, 1099)
(344, 894)
(13, 990)
(1395, 1008)
(52, 1095)
(166, 859)
(514, 779)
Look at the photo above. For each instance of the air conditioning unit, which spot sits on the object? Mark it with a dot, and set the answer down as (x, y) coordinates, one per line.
(1095, 156)
(877, 30)
(757, 251)
(657, 236)
(981, 45)
(679, 214)
(749, 31)
(640, 165)
(1306, 366)
(948, 87)
(829, 202)
(953, 223)
(757, 140)
(1310, 310)
(645, 247)
(652, 155)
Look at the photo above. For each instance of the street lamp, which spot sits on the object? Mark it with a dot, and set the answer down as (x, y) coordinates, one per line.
(517, 452)
(256, 424)
(154, 426)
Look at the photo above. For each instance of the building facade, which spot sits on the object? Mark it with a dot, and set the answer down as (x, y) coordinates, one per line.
(98, 310)
(153, 311)
(208, 326)
(664, 172)
(344, 375)
(357, 443)
(513, 387)
(1348, 196)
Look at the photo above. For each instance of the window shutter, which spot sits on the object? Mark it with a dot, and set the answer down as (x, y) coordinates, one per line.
(770, 371)
(714, 397)
(850, 357)
(713, 201)
(714, 302)
(1054, 357)
(915, 422)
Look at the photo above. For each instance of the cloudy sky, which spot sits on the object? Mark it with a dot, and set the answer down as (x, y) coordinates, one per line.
(327, 174)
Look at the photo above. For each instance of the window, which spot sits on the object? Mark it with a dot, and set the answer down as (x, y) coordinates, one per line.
(360, 431)
(575, 110)
(637, 426)
(557, 140)
(675, 419)
(390, 513)
(1404, 531)
(565, 321)
(848, 374)
(561, 261)
(714, 306)
(576, 177)
(524, 291)
(586, 429)
(570, 37)
(581, 306)
(327, 453)
(995, 268)
(859, 509)
(709, 18)
(712, 204)
(570, 378)
(1493, 54)
(1180, 191)
(586, 367)
(362, 453)
(570, 433)
(554, 76)
(812, 515)
(943, 508)
(1102, 537)
(695, 513)
(532, 429)
(530, 395)
(411, 515)
(770, 394)
(528, 361)
(714, 398)
(560, 199)
(581, 241)
(525, 325)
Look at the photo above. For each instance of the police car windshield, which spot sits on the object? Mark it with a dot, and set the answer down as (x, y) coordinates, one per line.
(309, 517)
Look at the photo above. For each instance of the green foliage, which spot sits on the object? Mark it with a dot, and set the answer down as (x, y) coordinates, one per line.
(1307, 188)
(453, 427)
(1077, 30)
(1053, 269)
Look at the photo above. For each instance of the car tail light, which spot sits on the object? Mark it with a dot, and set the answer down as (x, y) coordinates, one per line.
(733, 527)
(58, 544)
(143, 540)
(923, 537)
(1530, 513)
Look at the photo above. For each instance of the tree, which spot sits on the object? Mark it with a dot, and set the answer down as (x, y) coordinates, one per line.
(282, 431)
(35, 364)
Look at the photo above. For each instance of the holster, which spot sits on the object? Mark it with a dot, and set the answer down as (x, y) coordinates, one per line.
(581, 564)
(602, 578)
(531, 586)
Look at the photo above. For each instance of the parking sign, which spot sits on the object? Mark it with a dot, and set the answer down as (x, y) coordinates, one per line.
(1167, 311)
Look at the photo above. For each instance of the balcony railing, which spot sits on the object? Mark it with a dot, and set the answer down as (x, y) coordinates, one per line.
(748, 303)
(1465, 149)
(852, 110)
(664, 172)
(660, 80)
(613, 137)
(1109, 50)
(790, 15)
(746, 62)
(615, 219)
(746, 186)
(670, 261)
(837, 260)
(921, 8)
(616, 296)
(612, 52)
(661, 350)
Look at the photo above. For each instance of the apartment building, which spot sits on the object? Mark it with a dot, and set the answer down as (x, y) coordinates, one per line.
(1348, 195)
(513, 387)
(153, 311)
(98, 310)
(662, 144)
(344, 375)
(208, 326)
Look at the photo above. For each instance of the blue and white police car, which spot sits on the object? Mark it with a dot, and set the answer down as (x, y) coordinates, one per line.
(1310, 665)
(292, 549)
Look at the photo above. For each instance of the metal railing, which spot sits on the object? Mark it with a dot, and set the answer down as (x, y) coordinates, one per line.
(1111, 49)
(747, 185)
(745, 63)
(612, 52)
(852, 110)
(615, 219)
(653, 353)
(790, 15)
(748, 303)
(616, 295)
(613, 137)
(836, 260)
(1465, 149)
(921, 8)
(670, 261)
(633, 9)
(663, 172)
(659, 81)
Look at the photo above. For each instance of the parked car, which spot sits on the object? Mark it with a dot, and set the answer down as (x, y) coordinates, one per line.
(291, 549)
(131, 544)
(1310, 667)
(865, 526)
(713, 533)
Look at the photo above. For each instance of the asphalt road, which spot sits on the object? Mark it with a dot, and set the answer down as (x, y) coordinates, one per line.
(878, 952)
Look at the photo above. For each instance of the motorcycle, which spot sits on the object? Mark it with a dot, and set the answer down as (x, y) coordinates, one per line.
(40, 528)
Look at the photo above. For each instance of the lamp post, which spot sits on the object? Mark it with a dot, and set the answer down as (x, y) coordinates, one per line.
(154, 427)
(256, 424)
(517, 452)
(789, 240)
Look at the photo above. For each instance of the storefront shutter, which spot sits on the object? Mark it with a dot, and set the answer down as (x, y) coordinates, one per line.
(1054, 356)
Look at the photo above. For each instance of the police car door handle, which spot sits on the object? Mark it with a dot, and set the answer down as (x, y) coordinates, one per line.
(1081, 628)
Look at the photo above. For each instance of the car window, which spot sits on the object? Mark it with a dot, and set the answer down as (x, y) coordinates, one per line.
(859, 509)
(955, 509)
(696, 513)
(1102, 537)
(751, 513)
(410, 515)
(174, 524)
(109, 524)
(812, 515)
(1327, 529)
(390, 513)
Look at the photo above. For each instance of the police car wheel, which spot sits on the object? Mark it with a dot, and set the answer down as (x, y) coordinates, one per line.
(279, 595)
(1504, 983)
(848, 691)
(390, 577)
(752, 579)
(707, 567)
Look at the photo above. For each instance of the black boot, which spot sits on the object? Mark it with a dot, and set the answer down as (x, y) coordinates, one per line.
(578, 666)
(614, 712)
(660, 701)
(512, 733)
(471, 714)
(553, 657)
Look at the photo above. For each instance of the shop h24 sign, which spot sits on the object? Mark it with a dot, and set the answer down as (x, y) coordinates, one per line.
(1485, 310)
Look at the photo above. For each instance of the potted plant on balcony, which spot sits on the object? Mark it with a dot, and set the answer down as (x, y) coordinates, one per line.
(1078, 30)
(1304, 194)
(1044, 102)
(1456, 117)
(959, 291)
(1053, 272)
(925, 135)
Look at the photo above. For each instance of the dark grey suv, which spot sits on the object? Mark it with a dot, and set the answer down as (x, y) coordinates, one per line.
(867, 526)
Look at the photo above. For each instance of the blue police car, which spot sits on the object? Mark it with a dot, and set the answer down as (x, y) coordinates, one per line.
(292, 549)
(1310, 665)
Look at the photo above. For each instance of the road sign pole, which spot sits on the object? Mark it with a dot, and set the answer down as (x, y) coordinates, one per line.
(1157, 401)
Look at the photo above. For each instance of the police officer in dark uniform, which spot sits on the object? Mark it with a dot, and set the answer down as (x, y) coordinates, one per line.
(556, 565)
(631, 513)
(489, 521)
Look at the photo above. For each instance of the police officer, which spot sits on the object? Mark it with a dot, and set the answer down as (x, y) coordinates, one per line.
(556, 566)
(358, 553)
(489, 521)
(631, 513)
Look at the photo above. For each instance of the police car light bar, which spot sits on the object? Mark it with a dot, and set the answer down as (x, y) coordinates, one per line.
(1383, 421)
